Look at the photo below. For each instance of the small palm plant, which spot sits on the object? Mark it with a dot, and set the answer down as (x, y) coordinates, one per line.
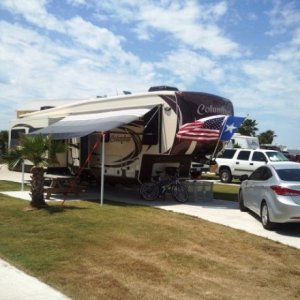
(40, 151)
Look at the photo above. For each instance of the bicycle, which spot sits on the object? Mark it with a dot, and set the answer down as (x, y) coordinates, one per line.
(158, 187)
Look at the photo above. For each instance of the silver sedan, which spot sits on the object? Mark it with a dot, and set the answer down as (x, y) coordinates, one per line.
(273, 193)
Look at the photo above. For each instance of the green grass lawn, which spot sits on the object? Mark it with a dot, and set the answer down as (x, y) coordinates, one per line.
(121, 251)
(226, 191)
(223, 191)
(11, 186)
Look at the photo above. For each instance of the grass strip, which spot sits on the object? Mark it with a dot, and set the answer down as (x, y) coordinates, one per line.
(121, 251)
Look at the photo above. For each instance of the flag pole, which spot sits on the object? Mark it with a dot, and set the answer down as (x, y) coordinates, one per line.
(214, 153)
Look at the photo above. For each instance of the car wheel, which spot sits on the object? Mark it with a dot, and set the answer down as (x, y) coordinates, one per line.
(265, 219)
(225, 176)
(242, 206)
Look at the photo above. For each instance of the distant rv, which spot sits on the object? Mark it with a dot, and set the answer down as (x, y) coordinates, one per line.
(243, 141)
(140, 131)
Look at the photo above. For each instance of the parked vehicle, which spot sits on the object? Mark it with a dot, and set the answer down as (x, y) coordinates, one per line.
(273, 193)
(234, 163)
(136, 133)
(243, 141)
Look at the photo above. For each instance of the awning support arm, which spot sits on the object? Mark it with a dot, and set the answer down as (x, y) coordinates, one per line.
(157, 110)
(102, 168)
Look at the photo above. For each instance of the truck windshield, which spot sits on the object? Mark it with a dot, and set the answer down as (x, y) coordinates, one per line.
(276, 156)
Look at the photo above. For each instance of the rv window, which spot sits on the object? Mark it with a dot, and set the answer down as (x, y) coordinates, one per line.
(15, 136)
(151, 120)
(17, 133)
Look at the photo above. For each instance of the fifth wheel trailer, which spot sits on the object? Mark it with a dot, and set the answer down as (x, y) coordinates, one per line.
(138, 131)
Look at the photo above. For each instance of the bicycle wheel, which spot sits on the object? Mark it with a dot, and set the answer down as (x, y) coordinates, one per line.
(149, 191)
(180, 193)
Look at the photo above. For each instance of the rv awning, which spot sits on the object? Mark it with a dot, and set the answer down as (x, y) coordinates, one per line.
(84, 124)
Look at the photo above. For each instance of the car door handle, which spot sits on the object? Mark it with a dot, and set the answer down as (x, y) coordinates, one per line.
(237, 163)
(251, 164)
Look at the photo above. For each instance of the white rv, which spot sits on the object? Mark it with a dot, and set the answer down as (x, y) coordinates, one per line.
(243, 141)
(138, 131)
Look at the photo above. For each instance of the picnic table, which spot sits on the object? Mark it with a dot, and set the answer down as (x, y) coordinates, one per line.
(60, 184)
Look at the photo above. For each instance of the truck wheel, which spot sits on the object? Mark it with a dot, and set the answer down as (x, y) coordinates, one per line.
(225, 176)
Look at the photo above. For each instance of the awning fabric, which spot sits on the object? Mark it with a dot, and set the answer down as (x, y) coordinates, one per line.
(84, 124)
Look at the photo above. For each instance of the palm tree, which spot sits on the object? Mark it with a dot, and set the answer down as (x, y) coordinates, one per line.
(248, 128)
(3, 141)
(41, 151)
(267, 137)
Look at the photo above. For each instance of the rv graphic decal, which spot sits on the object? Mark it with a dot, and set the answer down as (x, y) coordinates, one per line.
(119, 138)
(129, 136)
(210, 109)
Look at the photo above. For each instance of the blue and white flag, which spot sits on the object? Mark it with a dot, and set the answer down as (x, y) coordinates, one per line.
(231, 125)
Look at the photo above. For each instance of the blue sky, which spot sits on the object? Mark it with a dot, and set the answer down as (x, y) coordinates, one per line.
(244, 50)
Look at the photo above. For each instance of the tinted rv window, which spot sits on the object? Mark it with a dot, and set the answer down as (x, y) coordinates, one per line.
(15, 136)
(151, 120)
(16, 133)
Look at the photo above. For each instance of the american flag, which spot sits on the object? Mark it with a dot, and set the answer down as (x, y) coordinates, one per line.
(202, 130)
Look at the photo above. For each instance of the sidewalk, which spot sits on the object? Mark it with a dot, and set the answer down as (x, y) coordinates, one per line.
(7, 175)
(16, 285)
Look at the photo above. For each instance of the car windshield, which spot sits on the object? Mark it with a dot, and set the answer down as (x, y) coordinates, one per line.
(276, 156)
(289, 174)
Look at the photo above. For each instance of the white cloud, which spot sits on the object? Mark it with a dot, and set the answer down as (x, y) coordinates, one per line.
(215, 11)
(77, 29)
(252, 16)
(92, 36)
(190, 67)
(283, 17)
(189, 22)
(77, 2)
(267, 87)
(183, 22)
(33, 66)
(33, 11)
(96, 50)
